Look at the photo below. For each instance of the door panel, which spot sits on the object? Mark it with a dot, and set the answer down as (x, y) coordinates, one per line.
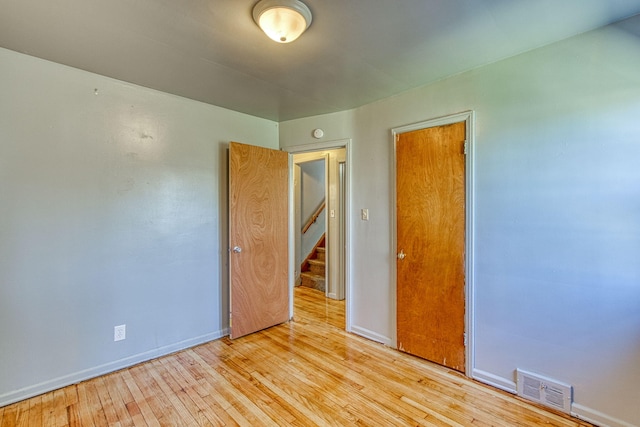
(258, 238)
(430, 196)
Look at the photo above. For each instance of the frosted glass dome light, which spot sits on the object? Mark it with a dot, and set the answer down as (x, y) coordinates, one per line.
(282, 20)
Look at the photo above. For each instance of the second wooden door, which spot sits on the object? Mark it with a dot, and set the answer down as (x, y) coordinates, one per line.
(430, 195)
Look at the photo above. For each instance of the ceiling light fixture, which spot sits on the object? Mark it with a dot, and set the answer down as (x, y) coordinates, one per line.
(282, 20)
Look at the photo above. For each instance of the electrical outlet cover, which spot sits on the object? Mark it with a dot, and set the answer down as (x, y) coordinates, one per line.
(119, 332)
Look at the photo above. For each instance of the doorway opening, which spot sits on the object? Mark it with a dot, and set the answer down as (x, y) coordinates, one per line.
(319, 225)
(310, 199)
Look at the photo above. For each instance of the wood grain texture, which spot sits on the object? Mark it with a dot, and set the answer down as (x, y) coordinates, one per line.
(259, 224)
(308, 372)
(431, 232)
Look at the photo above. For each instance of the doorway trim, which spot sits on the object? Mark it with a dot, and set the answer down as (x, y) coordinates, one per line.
(322, 146)
(468, 117)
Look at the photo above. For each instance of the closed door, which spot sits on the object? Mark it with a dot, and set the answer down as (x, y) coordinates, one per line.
(430, 196)
(258, 237)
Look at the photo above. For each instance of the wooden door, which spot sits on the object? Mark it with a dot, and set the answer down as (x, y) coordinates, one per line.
(430, 195)
(258, 238)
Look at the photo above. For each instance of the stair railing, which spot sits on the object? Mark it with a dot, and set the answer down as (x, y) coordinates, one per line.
(314, 217)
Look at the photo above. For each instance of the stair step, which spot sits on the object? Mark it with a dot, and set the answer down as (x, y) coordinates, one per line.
(312, 280)
(320, 254)
(317, 266)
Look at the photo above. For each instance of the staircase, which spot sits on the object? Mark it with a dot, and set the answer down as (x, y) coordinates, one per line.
(313, 268)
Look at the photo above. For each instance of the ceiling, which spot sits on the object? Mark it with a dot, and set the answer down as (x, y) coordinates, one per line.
(354, 52)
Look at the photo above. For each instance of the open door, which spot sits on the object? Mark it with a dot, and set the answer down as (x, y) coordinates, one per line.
(258, 238)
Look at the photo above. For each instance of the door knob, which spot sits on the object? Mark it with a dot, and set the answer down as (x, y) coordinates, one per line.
(237, 249)
(401, 254)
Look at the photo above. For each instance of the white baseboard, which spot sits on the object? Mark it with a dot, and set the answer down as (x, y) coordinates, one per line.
(373, 336)
(494, 380)
(578, 411)
(596, 417)
(76, 377)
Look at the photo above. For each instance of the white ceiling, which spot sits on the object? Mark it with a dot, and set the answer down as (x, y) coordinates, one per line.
(355, 52)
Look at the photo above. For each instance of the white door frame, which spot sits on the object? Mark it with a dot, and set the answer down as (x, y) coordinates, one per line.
(469, 118)
(320, 146)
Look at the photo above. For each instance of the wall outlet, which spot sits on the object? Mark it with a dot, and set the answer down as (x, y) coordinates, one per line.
(119, 332)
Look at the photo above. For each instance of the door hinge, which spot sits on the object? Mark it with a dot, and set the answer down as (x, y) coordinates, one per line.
(466, 147)
(465, 338)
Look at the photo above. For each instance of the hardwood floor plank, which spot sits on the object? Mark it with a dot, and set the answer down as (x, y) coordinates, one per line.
(393, 409)
(330, 312)
(35, 412)
(210, 393)
(184, 388)
(46, 409)
(160, 375)
(84, 407)
(189, 393)
(95, 406)
(305, 372)
(249, 364)
(9, 416)
(270, 404)
(295, 400)
(59, 408)
(252, 413)
(139, 399)
(107, 403)
(72, 403)
(22, 414)
(122, 401)
(160, 404)
(340, 388)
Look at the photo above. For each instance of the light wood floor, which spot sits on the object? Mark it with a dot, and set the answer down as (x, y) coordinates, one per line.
(303, 373)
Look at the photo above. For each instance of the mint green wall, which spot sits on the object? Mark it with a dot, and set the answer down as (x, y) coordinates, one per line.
(113, 208)
(557, 204)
